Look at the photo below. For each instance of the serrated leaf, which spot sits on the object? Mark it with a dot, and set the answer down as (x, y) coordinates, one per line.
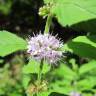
(87, 67)
(46, 67)
(65, 71)
(31, 67)
(84, 46)
(69, 12)
(61, 87)
(10, 43)
(87, 83)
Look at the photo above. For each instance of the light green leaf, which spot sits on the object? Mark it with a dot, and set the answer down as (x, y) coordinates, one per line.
(87, 67)
(87, 83)
(62, 87)
(10, 43)
(46, 93)
(31, 67)
(87, 94)
(25, 81)
(66, 72)
(46, 67)
(69, 12)
(84, 46)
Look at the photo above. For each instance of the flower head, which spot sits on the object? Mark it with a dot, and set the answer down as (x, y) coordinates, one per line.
(44, 47)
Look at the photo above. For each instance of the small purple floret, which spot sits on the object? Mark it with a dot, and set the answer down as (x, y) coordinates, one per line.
(75, 94)
(44, 47)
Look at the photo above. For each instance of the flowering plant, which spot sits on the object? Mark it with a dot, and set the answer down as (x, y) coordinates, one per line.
(52, 68)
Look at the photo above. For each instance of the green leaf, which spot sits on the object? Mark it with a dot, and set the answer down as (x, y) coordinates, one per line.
(84, 46)
(25, 81)
(31, 67)
(1, 60)
(62, 87)
(87, 83)
(87, 26)
(88, 94)
(46, 93)
(69, 12)
(87, 67)
(66, 72)
(8, 5)
(46, 67)
(10, 43)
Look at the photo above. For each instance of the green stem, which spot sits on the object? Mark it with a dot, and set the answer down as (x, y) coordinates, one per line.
(40, 71)
(40, 75)
(48, 23)
(74, 67)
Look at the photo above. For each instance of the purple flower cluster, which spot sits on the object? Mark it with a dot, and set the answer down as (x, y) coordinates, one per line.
(44, 47)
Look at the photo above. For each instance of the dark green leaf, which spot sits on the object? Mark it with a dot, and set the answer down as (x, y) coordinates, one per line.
(8, 5)
(84, 46)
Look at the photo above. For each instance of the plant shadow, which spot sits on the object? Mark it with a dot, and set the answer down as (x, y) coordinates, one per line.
(83, 49)
(87, 26)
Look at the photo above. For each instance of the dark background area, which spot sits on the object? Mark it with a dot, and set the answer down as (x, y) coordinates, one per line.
(23, 19)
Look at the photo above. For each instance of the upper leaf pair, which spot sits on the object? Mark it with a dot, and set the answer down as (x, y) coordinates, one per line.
(69, 12)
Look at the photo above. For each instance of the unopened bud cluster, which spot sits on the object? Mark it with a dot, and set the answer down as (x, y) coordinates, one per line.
(44, 11)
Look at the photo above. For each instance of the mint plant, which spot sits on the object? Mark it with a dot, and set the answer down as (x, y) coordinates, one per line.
(48, 71)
